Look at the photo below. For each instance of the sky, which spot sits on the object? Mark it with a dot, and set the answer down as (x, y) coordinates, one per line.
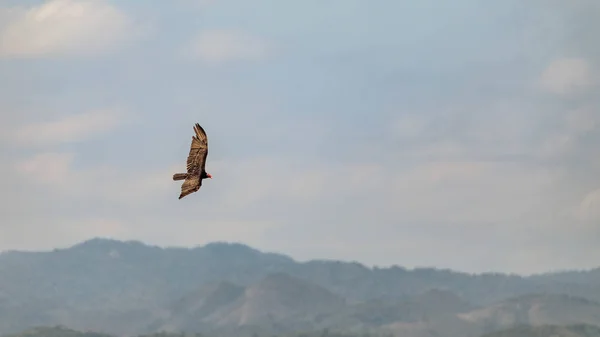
(456, 135)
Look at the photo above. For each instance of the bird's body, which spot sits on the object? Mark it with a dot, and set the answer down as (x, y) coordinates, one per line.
(196, 162)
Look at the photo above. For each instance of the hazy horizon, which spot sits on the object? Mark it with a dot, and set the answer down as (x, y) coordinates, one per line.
(266, 251)
(391, 132)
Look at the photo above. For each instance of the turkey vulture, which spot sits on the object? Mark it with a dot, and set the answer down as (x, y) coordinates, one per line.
(196, 162)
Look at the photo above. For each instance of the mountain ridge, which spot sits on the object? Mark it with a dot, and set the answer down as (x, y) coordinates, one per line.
(128, 287)
(218, 246)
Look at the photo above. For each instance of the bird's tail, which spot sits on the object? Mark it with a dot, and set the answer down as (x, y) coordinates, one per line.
(180, 176)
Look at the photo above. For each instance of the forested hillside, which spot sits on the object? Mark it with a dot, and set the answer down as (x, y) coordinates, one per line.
(129, 288)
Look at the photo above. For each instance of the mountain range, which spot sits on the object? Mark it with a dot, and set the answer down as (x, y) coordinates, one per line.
(130, 288)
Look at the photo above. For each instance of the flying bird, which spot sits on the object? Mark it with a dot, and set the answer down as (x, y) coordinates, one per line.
(196, 162)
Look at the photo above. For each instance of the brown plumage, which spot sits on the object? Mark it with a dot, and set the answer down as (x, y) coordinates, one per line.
(196, 162)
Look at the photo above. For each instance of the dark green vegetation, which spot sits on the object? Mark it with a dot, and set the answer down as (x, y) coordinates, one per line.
(128, 288)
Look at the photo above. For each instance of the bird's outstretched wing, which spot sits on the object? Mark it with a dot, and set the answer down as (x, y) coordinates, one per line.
(190, 185)
(196, 160)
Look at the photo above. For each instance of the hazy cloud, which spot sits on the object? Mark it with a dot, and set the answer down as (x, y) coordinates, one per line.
(590, 206)
(59, 27)
(566, 76)
(72, 128)
(219, 46)
(70, 230)
(200, 4)
(49, 168)
(101, 183)
(374, 138)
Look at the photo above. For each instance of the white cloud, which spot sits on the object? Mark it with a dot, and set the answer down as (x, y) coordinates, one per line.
(442, 191)
(576, 124)
(400, 208)
(49, 168)
(72, 128)
(567, 76)
(51, 180)
(59, 27)
(469, 192)
(454, 205)
(198, 4)
(583, 120)
(589, 209)
(408, 126)
(102, 182)
(431, 190)
(439, 150)
(129, 187)
(557, 145)
(219, 46)
(278, 180)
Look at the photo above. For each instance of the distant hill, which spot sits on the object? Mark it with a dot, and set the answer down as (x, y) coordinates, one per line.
(61, 331)
(536, 309)
(129, 288)
(580, 330)
(527, 310)
(56, 331)
(277, 303)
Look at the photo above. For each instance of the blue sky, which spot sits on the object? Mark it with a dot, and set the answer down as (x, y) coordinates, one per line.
(451, 134)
